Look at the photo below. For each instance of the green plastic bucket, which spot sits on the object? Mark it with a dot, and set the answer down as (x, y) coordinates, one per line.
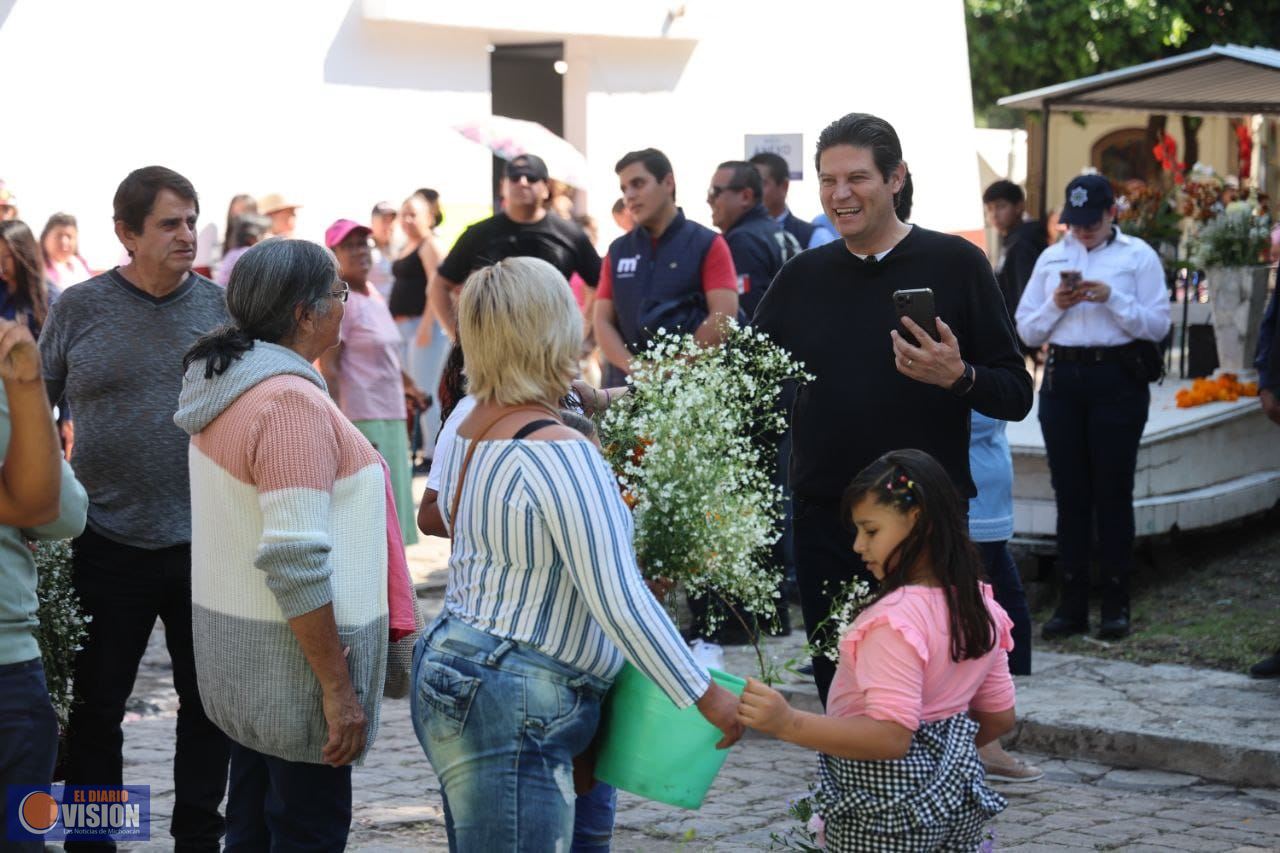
(655, 751)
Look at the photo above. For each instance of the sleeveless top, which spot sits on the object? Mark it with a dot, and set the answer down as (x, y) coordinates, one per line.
(409, 288)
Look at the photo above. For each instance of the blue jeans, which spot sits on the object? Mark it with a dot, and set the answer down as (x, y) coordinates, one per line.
(501, 723)
(28, 736)
(1007, 585)
(593, 819)
(278, 805)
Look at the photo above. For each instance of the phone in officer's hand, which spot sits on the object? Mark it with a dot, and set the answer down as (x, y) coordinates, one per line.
(918, 305)
(1070, 280)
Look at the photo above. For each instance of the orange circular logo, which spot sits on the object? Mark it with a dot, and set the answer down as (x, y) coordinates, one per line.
(38, 812)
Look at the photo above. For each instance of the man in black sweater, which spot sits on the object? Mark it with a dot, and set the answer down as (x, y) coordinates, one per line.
(876, 391)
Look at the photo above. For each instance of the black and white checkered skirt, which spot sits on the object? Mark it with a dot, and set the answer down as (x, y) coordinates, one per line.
(934, 798)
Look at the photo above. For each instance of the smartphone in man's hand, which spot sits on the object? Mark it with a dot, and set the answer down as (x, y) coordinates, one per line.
(918, 305)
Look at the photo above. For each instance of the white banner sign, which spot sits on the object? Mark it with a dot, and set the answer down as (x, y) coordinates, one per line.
(789, 146)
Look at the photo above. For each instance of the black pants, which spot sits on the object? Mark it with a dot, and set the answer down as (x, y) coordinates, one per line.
(1092, 416)
(275, 804)
(1007, 585)
(28, 739)
(825, 563)
(124, 589)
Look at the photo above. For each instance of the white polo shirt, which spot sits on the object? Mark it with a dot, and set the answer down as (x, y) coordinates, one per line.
(1138, 308)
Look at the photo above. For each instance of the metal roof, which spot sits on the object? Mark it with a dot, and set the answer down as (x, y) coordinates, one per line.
(1224, 79)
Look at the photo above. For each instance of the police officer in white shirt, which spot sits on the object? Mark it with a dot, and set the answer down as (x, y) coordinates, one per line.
(1098, 298)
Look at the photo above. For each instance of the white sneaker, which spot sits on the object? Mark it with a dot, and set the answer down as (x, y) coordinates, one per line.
(707, 654)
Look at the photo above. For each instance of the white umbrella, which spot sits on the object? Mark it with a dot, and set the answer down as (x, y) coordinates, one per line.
(511, 137)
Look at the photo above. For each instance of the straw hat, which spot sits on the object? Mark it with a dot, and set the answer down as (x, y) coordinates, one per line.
(273, 202)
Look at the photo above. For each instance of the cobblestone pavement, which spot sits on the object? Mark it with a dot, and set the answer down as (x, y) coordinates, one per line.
(1077, 806)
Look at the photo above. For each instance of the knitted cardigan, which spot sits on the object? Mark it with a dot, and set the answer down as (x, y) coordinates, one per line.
(288, 514)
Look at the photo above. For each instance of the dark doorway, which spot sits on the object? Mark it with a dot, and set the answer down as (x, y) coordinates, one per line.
(524, 84)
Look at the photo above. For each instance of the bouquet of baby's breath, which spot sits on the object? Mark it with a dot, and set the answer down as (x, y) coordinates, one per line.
(62, 623)
(694, 446)
(1237, 237)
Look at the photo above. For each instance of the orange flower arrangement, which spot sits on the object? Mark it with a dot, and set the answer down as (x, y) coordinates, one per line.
(1225, 388)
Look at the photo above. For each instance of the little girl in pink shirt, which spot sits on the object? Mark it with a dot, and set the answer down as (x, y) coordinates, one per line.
(922, 678)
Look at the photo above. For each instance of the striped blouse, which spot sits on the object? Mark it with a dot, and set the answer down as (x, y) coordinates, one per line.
(543, 556)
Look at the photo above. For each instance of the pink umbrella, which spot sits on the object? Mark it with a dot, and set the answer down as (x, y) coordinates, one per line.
(511, 137)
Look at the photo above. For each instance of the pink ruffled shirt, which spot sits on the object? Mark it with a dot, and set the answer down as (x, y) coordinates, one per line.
(895, 663)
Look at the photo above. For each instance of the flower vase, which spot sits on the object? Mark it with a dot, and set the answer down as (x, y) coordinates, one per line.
(1237, 296)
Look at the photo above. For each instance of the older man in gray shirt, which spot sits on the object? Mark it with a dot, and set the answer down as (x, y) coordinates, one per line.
(114, 345)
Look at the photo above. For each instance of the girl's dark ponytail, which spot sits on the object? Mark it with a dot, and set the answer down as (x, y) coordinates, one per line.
(218, 349)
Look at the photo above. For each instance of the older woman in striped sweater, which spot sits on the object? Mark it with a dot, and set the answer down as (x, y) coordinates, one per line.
(292, 531)
(544, 598)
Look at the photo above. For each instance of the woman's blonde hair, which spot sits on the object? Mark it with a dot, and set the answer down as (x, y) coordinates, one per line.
(523, 332)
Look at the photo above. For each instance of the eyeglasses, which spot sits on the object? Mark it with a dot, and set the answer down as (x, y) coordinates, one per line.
(341, 295)
(713, 191)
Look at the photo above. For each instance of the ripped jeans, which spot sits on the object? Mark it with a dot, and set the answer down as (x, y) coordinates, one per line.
(501, 723)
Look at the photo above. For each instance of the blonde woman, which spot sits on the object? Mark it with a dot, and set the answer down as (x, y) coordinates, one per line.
(544, 598)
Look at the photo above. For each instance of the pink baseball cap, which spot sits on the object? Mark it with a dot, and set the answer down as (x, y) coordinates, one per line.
(338, 231)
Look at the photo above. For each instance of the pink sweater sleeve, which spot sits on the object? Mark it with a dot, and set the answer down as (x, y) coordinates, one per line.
(891, 672)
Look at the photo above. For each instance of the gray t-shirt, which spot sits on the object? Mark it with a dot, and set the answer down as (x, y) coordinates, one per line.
(116, 352)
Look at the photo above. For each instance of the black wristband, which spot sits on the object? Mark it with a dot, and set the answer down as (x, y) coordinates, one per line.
(964, 384)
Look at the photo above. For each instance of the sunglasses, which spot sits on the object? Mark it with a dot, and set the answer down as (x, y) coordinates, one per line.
(713, 192)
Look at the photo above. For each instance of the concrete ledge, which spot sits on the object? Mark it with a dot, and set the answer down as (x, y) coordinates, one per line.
(1212, 724)
(1220, 762)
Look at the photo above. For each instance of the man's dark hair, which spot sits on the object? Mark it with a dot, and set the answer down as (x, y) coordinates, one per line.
(137, 193)
(777, 167)
(1004, 191)
(745, 177)
(863, 130)
(619, 206)
(655, 162)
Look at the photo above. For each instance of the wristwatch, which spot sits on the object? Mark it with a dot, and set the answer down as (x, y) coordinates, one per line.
(964, 384)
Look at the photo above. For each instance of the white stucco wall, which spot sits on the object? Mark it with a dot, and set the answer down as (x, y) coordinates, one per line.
(759, 68)
(292, 96)
(344, 102)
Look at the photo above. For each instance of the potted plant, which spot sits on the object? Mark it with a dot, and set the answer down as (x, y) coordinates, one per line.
(1231, 248)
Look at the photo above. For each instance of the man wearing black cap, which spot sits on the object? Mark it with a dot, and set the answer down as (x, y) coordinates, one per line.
(1098, 298)
(521, 229)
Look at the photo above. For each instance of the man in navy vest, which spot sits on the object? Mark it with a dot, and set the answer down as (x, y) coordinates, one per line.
(760, 246)
(666, 273)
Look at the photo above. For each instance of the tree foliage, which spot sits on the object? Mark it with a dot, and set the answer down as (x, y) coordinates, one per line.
(1017, 45)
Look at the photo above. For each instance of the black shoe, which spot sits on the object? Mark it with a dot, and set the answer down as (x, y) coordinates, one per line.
(1061, 627)
(1116, 628)
(1266, 668)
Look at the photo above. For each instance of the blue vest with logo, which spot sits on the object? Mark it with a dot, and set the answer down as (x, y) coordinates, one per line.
(659, 286)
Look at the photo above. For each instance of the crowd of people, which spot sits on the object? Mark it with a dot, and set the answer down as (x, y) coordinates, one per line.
(242, 470)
